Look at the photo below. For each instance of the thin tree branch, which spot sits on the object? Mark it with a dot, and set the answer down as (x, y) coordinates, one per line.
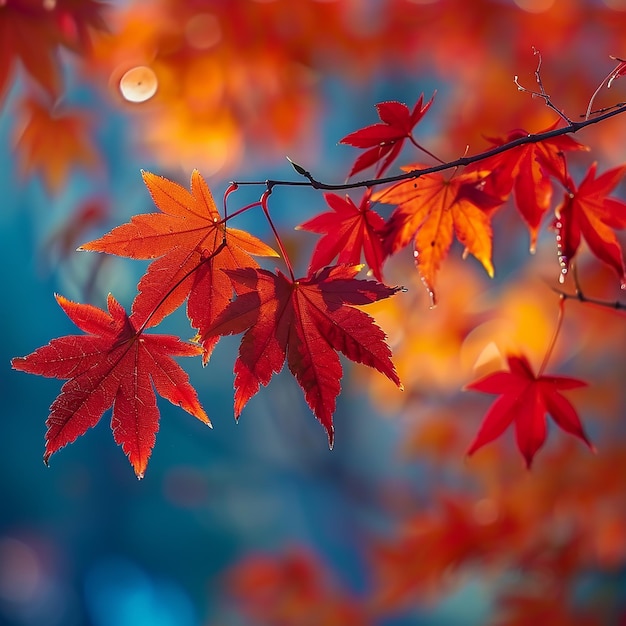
(615, 73)
(542, 92)
(569, 129)
(581, 297)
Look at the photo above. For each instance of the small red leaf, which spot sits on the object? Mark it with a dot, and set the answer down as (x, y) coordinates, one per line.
(385, 139)
(349, 231)
(524, 401)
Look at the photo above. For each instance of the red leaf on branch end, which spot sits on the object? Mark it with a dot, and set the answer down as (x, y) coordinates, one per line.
(525, 400)
(385, 139)
(305, 321)
(112, 365)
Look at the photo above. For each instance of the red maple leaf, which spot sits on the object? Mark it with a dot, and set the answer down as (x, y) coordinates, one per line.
(304, 321)
(113, 365)
(525, 400)
(431, 210)
(191, 246)
(385, 139)
(526, 171)
(588, 212)
(348, 230)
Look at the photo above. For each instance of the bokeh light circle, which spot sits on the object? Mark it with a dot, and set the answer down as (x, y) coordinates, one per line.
(139, 84)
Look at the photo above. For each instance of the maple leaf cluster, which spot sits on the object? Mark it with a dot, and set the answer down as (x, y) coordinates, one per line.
(198, 259)
(283, 590)
(195, 257)
(431, 208)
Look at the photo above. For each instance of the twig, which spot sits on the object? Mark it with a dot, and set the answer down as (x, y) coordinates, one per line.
(581, 297)
(609, 78)
(571, 128)
(542, 92)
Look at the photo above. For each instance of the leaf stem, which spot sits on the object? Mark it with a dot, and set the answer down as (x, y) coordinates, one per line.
(231, 188)
(614, 73)
(557, 330)
(281, 247)
(424, 150)
(226, 218)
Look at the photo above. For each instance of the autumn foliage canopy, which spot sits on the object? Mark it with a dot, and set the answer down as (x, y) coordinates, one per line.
(519, 169)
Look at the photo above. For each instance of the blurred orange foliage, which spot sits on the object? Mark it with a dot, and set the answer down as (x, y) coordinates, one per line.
(52, 143)
(33, 31)
(291, 588)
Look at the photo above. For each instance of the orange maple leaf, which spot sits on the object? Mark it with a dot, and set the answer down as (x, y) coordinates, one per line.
(114, 364)
(430, 211)
(53, 142)
(32, 32)
(191, 245)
